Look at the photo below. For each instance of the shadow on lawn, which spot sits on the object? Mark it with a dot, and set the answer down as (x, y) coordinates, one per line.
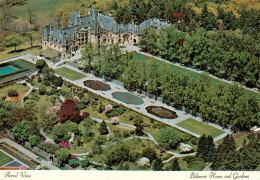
(24, 49)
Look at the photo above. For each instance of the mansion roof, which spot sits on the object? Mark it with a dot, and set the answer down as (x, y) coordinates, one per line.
(96, 22)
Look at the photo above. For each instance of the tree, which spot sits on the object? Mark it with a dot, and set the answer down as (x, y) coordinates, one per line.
(69, 111)
(157, 166)
(40, 64)
(13, 40)
(103, 128)
(169, 137)
(89, 52)
(42, 89)
(32, 36)
(33, 140)
(12, 93)
(149, 153)
(175, 165)
(206, 148)
(21, 130)
(62, 155)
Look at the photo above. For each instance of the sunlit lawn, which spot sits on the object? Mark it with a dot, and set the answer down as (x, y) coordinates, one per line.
(69, 73)
(21, 49)
(239, 141)
(199, 127)
(4, 159)
(19, 87)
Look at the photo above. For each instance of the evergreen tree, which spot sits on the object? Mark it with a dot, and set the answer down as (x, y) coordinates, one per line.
(157, 166)
(103, 128)
(175, 165)
(206, 148)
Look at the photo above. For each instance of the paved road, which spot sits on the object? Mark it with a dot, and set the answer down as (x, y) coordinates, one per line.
(29, 153)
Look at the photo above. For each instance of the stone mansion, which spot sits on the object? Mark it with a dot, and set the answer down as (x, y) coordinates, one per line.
(95, 28)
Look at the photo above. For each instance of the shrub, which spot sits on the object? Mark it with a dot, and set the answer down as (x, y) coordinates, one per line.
(250, 135)
(81, 94)
(46, 83)
(3, 98)
(84, 115)
(101, 108)
(74, 163)
(12, 93)
(24, 84)
(126, 134)
(35, 98)
(42, 90)
(85, 163)
(169, 137)
(149, 153)
(69, 85)
(194, 141)
(64, 144)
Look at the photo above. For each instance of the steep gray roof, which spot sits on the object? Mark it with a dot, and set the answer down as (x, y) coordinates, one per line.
(95, 21)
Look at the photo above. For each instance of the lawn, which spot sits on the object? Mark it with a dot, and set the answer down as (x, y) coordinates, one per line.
(4, 159)
(240, 139)
(199, 127)
(19, 87)
(184, 71)
(21, 49)
(69, 73)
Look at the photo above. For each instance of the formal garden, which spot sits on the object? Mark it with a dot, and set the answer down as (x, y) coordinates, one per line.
(97, 85)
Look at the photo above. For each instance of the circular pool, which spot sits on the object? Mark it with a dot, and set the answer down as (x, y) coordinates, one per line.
(128, 98)
(97, 85)
(161, 112)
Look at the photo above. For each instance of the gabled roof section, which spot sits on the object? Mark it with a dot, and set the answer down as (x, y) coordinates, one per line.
(74, 19)
(45, 33)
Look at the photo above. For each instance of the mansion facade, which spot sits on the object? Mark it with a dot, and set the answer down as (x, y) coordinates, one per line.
(95, 28)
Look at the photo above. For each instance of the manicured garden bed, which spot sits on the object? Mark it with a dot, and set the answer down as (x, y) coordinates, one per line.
(161, 112)
(200, 127)
(4, 159)
(69, 73)
(97, 85)
(128, 98)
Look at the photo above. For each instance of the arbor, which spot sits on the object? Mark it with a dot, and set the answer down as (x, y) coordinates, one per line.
(103, 128)
(13, 40)
(69, 111)
(175, 165)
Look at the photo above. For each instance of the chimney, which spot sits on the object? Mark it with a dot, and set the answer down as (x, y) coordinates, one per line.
(51, 29)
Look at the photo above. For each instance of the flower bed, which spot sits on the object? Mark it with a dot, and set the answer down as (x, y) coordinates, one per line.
(161, 112)
(97, 85)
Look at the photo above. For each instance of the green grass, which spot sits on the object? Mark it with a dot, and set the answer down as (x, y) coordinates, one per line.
(4, 159)
(19, 87)
(186, 72)
(21, 49)
(25, 64)
(200, 127)
(69, 73)
(239, 141)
